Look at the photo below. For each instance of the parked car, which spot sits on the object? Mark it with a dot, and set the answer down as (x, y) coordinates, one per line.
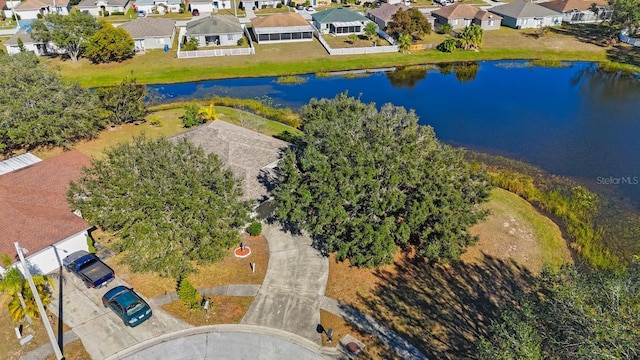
(444, 2)
(141, 13)
(128, 305)
(89, 268)
(299, 7)
(310, 9)
(195, 12)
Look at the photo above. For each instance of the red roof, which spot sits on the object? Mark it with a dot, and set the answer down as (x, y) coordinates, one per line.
(33, 206)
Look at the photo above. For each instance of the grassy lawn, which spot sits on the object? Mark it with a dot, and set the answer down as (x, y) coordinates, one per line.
(344, 42)
(156, 66)
(442, 309)
(10, 346)
(224, 310)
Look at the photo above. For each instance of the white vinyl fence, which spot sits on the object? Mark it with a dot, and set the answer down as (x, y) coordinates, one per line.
(629, 40)
(354, 51)
(216, 52)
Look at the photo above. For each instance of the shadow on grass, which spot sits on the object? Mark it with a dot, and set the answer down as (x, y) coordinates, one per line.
(625, 54)
(443, 310)
(592, 33)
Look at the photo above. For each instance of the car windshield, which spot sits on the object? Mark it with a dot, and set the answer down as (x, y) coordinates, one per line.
(134, 308)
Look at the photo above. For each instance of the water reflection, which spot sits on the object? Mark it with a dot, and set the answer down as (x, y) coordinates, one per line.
(408, 76)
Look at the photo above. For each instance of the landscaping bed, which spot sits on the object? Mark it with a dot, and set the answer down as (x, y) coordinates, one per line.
(222, 310)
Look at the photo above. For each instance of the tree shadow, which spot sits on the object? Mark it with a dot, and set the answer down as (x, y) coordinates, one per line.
(592, 33)
(625, 54)
(444, 309)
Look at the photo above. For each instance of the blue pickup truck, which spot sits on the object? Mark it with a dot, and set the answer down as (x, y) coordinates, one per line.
(89, 268)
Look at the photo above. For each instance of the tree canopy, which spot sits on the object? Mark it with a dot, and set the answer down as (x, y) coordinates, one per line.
(365, 181)
(109, 44)
(124, 103)
(410, 22)
(37, 108)
(471, 37)
(70, 32)
(626, 15)
(169, 203)
(571, 315)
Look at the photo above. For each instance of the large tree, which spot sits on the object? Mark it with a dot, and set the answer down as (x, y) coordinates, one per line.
(70, 32)
(410, 22)
(109, 44)
(626, 15)
(366, 181)
(37, 108)
(571, 315)
(169, 203)
(124, 103)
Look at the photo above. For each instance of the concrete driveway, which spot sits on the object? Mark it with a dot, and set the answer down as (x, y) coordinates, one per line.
(102, 332)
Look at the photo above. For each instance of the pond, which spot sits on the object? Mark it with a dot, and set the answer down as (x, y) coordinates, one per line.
(574, 120)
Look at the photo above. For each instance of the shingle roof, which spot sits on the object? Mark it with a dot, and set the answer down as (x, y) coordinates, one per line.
(279, 20)
(152, 2)
(337, 15)
(39, 4)
(245, 152)
(385, 11)
(145, 27)
(23, 35)
(462, 11)
(93, 3)
(523, 9)
(214, 24)
(567, 5)
(33, 205)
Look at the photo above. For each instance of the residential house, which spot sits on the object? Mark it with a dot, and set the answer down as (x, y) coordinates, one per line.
(339, 21)
(150, 33)
(103, 7)
(382, 15)
(462, 15)
(523, 14)
(289, 27)
(158, 6)
(29, 44)
(214, 30)
(212, 6)
(34, 211)
(32, 9)
(580, 11)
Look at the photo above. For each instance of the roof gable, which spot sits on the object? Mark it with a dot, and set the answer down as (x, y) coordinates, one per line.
(39, 4)
(214, 24)
(96, 3)
(337, 15)
(149, 27)
(523, 9)
(386, 10)
(33, 205)
(279, 20)
(567, 5)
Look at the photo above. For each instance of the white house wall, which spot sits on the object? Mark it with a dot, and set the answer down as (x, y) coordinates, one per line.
(27, 14)
(50, 259)
(157, 42)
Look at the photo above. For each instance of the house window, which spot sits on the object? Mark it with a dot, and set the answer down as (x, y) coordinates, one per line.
(307, 35)
(160, 41)
(295, 35)
(490, 23)
(286, 36)
(263, 37)
(230, 37)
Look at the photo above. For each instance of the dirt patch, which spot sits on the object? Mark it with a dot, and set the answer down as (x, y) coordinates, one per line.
(223, 310)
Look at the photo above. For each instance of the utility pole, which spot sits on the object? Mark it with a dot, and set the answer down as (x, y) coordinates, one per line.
(43, 314)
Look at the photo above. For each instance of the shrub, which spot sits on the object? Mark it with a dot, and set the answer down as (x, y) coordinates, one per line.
(292, 4)
(255, 228)
(241, 41)
(279, 6)
(444, 29)
(191, 44)
(448, 45)
(188, 294)
(264, 6)
(155, 121)
(117, 13)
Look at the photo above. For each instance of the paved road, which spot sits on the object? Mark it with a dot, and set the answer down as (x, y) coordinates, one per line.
(102, 332)
(291, 293)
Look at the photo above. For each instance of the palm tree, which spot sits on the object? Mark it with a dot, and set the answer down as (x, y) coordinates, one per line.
(23, 303)
(404, 42)
(208, 113)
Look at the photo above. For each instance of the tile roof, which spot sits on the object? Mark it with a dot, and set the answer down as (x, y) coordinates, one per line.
(33, 205)
(567, 5)
(214, 24)
(245, 152)
(385, 11)
(523, 9)
(279, 20)
(39, 4)
(459, 11)
(337, 15)
(145, 27)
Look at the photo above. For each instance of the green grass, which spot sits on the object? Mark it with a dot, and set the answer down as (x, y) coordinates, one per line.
(156, 66)
(291, 80)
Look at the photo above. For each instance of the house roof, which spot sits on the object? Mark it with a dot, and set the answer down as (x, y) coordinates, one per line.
(567, 5)
(39, 4)
(33, 205)
(147, 27)
(463, 11)
(523, 9)
(337, 15)
(94, 3)
(385, 11)
(247, 153)
(3, 5)
(23, 35)
(279, 20)
(214, 24)
(152, 2)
